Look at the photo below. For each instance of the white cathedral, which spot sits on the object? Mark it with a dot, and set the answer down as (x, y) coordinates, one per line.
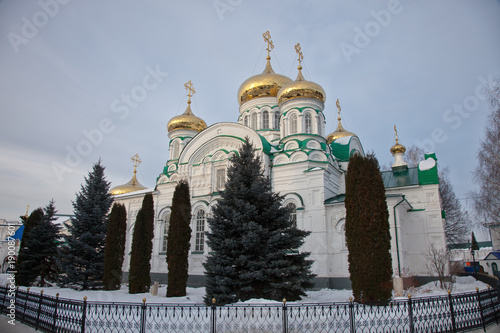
(285, 122)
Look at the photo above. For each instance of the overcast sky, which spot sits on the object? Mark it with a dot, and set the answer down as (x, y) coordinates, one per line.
(67, 67)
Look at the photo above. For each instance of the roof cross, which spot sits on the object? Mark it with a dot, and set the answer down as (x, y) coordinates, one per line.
(396, 132)
(270, 45)
(338, 107)
(189, 87)
(136, 161)
(299, 52)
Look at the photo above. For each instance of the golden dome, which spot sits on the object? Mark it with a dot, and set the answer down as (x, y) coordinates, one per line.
(187, 120)
(266, 84)
(340, 132)
(397, 148)
(132, 186)
(300, 88)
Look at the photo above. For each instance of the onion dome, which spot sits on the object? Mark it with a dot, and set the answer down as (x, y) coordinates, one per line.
(187, 120)
(397, 148)
(133, 185)
(267, 84)
(340, 132)
(300, 88)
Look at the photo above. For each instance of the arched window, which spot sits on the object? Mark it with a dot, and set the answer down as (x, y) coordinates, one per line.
(293, 124)
(175, 150)
(254, 121)
(220, 178)
(245, 120)
(164, 236)
(293, 214)
(308, 123)
(200, 231)
(265, 120)
(319, 125)
(276, 124)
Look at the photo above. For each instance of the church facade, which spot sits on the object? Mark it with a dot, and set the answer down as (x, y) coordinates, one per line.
(285, 122)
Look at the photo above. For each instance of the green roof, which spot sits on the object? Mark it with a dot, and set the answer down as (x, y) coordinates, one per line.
(400, 178)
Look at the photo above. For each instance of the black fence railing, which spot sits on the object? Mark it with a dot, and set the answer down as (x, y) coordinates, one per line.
(452, 313)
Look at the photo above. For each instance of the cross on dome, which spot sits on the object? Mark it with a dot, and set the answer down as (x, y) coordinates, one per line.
(270, 45)
(190, 88)
(136, 161)
(299, 52)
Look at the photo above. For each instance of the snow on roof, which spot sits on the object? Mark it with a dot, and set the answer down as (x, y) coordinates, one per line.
(343, 140)
(428, 164)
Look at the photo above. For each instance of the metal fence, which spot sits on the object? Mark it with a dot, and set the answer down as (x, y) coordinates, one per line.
(452, 313)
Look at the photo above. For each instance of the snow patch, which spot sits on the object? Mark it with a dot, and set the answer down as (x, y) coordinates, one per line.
(428, 164)
(343, 140)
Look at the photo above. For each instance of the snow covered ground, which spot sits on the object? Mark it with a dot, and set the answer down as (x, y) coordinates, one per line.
(195, 295)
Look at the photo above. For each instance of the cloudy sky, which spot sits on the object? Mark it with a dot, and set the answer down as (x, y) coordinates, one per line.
(83, 80)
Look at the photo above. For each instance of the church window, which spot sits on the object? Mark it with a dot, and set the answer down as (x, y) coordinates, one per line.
(165, 224)
(293, 214)
(175, 150)
(220, 178)
(246, 120)
(293, 124)
(308, 123)
(265, 120)
(200, 231)
(319, 125)
(254, 121)
(276, 124)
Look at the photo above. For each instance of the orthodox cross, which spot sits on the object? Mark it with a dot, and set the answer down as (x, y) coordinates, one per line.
(396, 132)
(299, 52)
(136, 161)
(270, 45)
(338, 107)
(189, 87)
(27, 209)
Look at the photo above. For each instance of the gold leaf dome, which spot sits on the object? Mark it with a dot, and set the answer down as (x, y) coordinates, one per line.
(132, 186)
(187, 120)
(340, 132)
(300, 88)
(397, 148)
(266, 84)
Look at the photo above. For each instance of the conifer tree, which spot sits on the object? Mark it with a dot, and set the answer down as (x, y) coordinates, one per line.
(42, 245)
(473, 244)
(142, 246)
(178, 241)
(252, 240)
(24, 274)
(367, 231)
(82, 255)
(115, 247)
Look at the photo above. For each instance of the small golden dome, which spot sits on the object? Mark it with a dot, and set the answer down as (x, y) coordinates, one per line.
(300, 88)
(267, 84)
(340, 132)
(397, 148)
(132, 186)
(187, 120)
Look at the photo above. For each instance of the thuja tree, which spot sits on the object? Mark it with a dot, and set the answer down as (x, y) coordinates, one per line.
(115, 247)
(82, 255)
(367, 231)
(142, 246)
(178, 241)
(24, 274)
(252, 241)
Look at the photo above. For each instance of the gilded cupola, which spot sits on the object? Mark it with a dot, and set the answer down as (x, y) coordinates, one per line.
(301, 88)
(266, 84)
(340, 132)
(187, 120)
(133, 185)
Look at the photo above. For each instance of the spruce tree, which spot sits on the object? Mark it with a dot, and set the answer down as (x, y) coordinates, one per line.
(473, 245)
(82, 255)
(252, 239)
(115, 247)
(42, 245)
(24, 274)
(142, 246)
(178, 241)
(367, 231)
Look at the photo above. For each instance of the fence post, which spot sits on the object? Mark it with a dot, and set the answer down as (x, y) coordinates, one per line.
(55, 313)
(285, 317)
(40, 299)
(410, 314)
(213, 316)
(493, 303)
(143, 315)
(480, 308)
(351, 316)
(453, 325)
(25, 302)
(84, 313)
